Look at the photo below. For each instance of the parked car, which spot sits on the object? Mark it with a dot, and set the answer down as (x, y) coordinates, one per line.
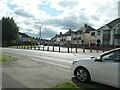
(104, 69)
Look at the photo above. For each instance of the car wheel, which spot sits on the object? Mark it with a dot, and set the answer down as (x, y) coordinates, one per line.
(82, 75)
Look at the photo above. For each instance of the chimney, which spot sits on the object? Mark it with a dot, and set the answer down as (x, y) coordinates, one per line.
(60, 33)
(70, 30)
(85, 25)
(56, 35)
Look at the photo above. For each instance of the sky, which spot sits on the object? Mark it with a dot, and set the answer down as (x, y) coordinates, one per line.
(55, 16)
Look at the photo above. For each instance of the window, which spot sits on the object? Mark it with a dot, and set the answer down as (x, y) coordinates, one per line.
(106, 32)
(98, 33)
(117, 30)
(92, 33)
(79, 38)
(112, 56)
(74, 38)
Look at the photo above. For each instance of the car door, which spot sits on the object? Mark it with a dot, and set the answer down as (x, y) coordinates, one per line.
(106, 70)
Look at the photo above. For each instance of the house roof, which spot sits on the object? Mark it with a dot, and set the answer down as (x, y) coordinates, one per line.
(68, 33)
(111, 24)
(24, 35)
(86, 29)
(59, 35)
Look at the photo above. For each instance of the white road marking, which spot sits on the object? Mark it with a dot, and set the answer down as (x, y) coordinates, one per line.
(50, 63)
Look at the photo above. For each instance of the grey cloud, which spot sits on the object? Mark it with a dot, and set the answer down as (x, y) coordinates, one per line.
(37, 26)
(48, 33)
(72, 22)
(95, 18)
(119, 9)
(23, 13)
(68, 4)
(27, 22)
(110, 10)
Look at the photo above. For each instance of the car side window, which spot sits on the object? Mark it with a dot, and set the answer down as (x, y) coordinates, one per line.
(108, 57)
(112, 56)
(117, 56)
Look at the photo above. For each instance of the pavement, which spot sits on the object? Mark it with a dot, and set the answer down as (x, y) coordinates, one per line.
(38, 69)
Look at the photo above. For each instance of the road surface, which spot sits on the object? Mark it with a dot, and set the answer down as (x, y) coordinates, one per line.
(38, 69)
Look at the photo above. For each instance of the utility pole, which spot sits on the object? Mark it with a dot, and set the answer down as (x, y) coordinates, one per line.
(40, 36)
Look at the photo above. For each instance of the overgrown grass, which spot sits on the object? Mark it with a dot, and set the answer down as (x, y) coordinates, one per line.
(4, 58)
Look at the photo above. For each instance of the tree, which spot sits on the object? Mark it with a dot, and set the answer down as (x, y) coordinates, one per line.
(9, 31)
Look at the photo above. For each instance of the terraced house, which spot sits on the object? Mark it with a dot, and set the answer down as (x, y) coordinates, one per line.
(84, 35)
(109, 34)
(76, 38)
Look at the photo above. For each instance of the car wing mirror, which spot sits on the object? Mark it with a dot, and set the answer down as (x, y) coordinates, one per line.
(92, 57)
(98, 59)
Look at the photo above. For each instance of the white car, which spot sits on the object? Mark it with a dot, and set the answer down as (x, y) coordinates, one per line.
(104, 69)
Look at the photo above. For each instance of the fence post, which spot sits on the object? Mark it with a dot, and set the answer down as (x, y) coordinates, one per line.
(34, 47)
(97, 49)
(83, 46)
(38, 47)
(59, 47)
(76, 50)
(103, 50)
(90, 49)
(48, 48)
(43, 47)
(30, 46)
(83, 49)
(53, 47)
(24, 46)
(68, 49)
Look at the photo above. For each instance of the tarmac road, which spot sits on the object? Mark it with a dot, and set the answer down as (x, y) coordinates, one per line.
(38, 69)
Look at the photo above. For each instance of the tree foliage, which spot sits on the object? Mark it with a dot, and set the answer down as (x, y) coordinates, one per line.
(9, 31)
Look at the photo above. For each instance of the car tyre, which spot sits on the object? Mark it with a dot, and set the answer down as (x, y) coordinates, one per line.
(82, 75)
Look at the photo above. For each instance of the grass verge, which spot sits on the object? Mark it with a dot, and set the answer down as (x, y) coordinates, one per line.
(4, 58)
(68, 85)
